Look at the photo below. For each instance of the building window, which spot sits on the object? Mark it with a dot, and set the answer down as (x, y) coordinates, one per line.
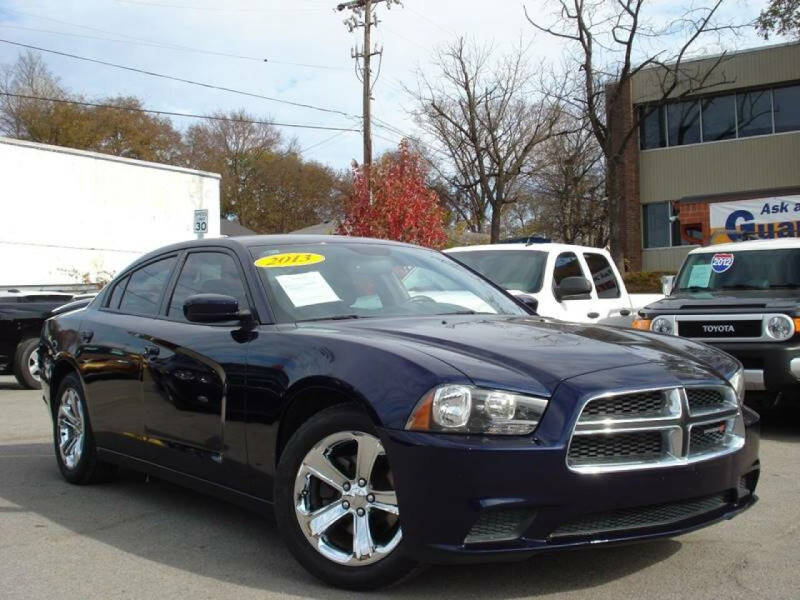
(716, 118)
(755, 113)
(652, 130)
(660, 227)
(786, 104)
(683, 123)
(719, 118)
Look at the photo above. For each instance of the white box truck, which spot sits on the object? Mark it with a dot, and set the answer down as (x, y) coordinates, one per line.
(68, 217)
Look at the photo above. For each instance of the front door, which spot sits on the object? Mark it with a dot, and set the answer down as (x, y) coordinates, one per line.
(194, 375)
(610, 303)
(568, 264)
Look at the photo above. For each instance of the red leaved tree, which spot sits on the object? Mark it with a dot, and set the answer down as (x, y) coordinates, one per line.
(402, 208)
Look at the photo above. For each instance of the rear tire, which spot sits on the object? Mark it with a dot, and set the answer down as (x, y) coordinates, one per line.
(76, 453)
(356, 543)
(26, 364)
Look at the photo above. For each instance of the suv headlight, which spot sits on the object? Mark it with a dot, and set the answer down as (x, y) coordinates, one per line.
(662, 325)
(469, 409)
(737, 382)
(780, 327)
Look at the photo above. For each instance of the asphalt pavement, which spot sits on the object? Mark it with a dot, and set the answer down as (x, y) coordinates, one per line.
(137, 539)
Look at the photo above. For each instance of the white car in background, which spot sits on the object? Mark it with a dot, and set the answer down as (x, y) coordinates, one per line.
(562, 281)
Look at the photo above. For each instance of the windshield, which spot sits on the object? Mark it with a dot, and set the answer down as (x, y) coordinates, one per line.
(307, 282)
(742, 270)
(520, 270)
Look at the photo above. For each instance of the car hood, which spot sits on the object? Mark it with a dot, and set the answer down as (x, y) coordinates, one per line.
(531, 354)
(735, 300)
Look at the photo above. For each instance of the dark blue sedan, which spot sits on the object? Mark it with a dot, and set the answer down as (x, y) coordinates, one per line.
(394, 407)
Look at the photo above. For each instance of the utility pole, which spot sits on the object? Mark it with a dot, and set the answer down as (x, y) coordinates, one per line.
(364, 16)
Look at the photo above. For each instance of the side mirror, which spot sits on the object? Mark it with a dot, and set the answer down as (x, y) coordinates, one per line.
(667, 284)
(574, 288)
(211, 308)
(531, 303)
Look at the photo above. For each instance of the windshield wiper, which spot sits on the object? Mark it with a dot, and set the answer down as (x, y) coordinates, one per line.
(693, 288)
(333, 318)
(785, 286)
(741, 286)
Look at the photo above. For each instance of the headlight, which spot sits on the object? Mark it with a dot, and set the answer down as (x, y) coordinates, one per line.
(468, 409)
(780, 327)
(737, 382)
(662, 325)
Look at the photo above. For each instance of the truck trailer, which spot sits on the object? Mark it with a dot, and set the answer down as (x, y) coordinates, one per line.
(71, 217)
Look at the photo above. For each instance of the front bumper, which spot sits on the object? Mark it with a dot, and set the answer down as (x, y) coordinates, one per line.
(447, 485)
(774, 367)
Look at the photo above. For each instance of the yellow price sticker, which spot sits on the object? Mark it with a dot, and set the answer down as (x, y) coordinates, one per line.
(290, 259)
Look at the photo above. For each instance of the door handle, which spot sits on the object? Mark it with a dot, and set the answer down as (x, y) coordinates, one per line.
(86, 335)
(625, 312)
(593, 315)
(151, 351)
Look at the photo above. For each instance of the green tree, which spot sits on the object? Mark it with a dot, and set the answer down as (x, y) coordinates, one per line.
(781, 17)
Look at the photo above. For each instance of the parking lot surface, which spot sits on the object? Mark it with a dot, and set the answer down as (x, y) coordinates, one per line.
(138, 539)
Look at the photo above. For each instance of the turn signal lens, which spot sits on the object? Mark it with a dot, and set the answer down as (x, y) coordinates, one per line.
(797, 325)
(642, 324)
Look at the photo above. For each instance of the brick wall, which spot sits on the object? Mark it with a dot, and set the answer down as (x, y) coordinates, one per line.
(692, 215)
(624, 181)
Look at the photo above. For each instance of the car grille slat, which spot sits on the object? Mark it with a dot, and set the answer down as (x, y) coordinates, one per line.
(642, 445)
(702, 399)
(628, 405)
(655, 515)
(708, 438)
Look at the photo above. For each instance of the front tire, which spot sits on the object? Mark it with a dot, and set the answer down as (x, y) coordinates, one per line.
(76, 452)
(26, 364)
(336, 505)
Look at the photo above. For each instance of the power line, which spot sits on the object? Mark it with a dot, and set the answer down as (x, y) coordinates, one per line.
(216, 8)
(180, 114)
(166, 46)
(189, 81)
(323, 142)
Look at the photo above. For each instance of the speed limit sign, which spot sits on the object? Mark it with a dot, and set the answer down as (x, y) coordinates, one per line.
(201, 222)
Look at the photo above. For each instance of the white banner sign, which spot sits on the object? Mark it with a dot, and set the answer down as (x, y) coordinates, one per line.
(762, 218)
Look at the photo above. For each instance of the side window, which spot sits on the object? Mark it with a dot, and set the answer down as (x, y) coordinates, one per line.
(116, 294)
(207, 273)
(146, 286)
(605, 282)
(567, 265)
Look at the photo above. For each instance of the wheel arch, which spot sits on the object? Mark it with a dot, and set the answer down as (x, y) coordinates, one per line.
(312, 395)
(62, 367)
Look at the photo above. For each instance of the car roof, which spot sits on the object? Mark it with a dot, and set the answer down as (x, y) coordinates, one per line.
(779, 244)
(546, 247)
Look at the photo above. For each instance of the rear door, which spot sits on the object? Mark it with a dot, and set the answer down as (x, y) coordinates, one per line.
(194, 374)
(111, 355)
(567, 264)
(612, 304)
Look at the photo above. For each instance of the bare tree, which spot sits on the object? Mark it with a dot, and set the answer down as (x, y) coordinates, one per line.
(612, 42)
(570, 187)
(486, 118)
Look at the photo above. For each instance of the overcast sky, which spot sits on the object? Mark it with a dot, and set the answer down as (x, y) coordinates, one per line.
(306, 32)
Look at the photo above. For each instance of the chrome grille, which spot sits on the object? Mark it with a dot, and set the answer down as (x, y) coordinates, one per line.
(655, 515)
(643, 403)
(652, 428)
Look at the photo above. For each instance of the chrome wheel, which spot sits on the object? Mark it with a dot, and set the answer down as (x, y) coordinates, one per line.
(33, 365)
(71, 425)
(345, 500)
